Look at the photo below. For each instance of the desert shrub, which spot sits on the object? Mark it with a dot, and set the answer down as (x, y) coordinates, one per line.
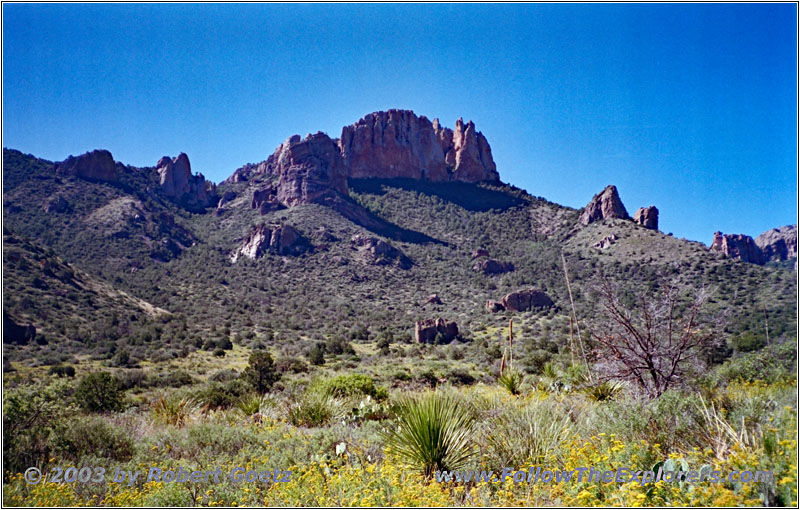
(313, 409)
(432, 432)
(62, 371)
(219, 352)
(351, 385)
(748, 342)
(100, 392)
(261, 373)
(773, 363)
(460, 376)
(316, 355)
(30, 414)
(76, 439)
(523, 436)
(291, 365)
(606, 390)
(227, 374)
(217, 395)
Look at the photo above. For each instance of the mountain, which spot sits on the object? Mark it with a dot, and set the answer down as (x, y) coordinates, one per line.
(347, 238)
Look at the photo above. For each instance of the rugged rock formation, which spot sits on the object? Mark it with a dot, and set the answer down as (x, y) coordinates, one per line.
(605, 204)
(480, 253)
(96, 165)
(525, 300)
(56, 204)
(427, 331)
(280, 240)
(227, 197)
(494, 306)
(379, 252)
(778, 243)
(176, 180)
(606, 242)
(398, 143)
(433, 299)
(491, 266)
(308, 170)
(647, 217)
(14, 333)
(266, 200)
(737, 246)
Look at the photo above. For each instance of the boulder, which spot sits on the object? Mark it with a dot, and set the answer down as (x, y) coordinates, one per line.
(778, 243)
(491, 266)
(380, 252)
(177, 182)
(737, 246)
(647, 217)
(480, 253)
(433, 299)
(426, 331)
(14, 333)
(56, 204)
(494, 306)
(605, 204)
(97, 165)
(277, 239)
(524, 300)
(606, 242)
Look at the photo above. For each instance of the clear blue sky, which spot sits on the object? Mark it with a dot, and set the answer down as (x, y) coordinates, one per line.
(691, 107)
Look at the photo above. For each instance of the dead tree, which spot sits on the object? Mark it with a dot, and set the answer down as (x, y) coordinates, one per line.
(653, 341)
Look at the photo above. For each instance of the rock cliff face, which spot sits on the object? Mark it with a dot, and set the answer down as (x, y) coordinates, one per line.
(647, 217)
(398, 143)
(778, 243)
(380, 253)
(427, 331)
(95, 165)
(280, 240)
(605, 204)
(391, 144)
(737, 246)
(176, 180)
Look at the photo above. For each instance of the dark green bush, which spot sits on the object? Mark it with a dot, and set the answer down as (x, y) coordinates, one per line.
(79, 438)
(99, 392)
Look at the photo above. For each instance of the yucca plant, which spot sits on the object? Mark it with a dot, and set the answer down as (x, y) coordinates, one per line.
(314, 409)
(511, 381)
(174, 411)
(606, 390)
(433, 433)
(250, 404)
(525, 435)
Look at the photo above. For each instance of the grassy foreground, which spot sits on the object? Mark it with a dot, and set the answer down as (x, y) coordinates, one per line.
(336, 439)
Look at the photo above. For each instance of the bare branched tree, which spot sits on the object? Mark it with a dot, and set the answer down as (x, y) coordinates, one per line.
(654, 339)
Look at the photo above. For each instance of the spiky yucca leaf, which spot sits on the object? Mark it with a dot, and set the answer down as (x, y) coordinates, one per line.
(511, 381)
(433, 433)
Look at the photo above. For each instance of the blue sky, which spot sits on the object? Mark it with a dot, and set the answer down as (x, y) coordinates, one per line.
(690, 107)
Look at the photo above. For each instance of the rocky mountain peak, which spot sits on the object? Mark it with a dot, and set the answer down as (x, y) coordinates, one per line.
(605, 204)
(176, 181)
(778, 243)
(737, 246)
(95, 165)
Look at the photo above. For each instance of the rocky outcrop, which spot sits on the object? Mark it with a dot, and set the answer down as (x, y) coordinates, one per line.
(266, 200)
(491, 266)
(480, 252)
(280, 240)
(737, 246)
(604, 205)
(226, 198)
(524, 300)
(778, 243)
(56, 204)
(605, 242)
(14, 333)
(494, 306)
(430, 331)
(433, 299)
(308, 170)
(398, 143)
(177, 182)
(647, 217)
(380, 253)
(97, 165)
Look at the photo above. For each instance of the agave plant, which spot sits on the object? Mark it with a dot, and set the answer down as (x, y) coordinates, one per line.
(606, 390)
(174, 411)
(511, 381)
(433, 433)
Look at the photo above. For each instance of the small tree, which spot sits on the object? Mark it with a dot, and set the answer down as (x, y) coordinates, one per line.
(261, 372)
(99, 392)
(316, 355)
(651, 340)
